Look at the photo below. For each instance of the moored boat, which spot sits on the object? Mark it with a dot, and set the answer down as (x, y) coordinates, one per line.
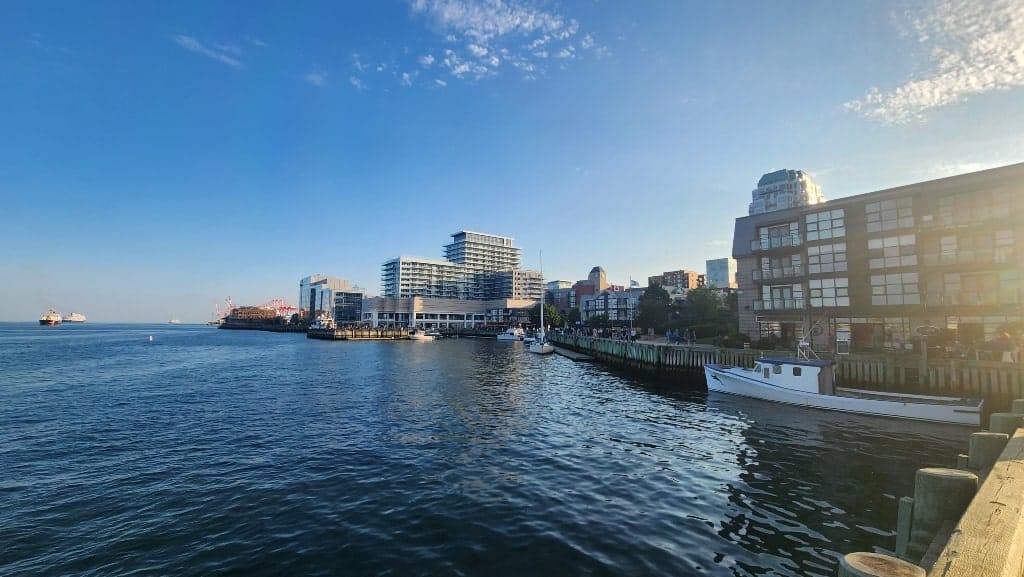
(51, 318)
(812, 383)
(74, 318)
(418, 334)
(512, 334)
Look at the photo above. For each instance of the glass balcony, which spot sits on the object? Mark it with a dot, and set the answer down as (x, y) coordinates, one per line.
(769, 243)
(777, 273)
(779, 305)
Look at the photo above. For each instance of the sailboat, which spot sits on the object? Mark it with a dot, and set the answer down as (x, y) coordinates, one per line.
(541, 346)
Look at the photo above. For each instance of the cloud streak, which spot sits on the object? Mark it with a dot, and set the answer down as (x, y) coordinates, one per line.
(224, 54)
(974, 48)
(481, 36)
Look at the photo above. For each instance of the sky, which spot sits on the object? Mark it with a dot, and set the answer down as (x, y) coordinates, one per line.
(157, 157)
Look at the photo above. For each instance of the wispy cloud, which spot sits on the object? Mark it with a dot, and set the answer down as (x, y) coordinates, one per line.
(316, 78)
(255, 41)
(718, 242)
(974, 48)
(481, 35)
(219, 54)
(440, 82)
(357, 82)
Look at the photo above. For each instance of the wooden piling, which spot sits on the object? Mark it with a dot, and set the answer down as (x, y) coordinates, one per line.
(940, 496)
(877, 565)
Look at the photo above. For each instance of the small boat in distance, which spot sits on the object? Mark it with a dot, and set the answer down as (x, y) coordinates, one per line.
(74, 318)
(418, 334)
(174, 322)
(512, 334)
(812, 383)
(541, 346)
(51, 318)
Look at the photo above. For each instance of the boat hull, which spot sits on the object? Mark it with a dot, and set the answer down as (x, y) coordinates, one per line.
(729, 380)
(49, 322)
(542, 348)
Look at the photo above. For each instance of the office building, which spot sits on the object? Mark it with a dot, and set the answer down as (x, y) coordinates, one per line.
(317, 294)
(721, 272)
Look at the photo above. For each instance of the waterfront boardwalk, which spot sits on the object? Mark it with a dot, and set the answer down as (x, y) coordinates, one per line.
(997, 383)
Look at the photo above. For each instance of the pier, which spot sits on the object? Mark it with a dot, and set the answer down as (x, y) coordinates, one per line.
(997, 383)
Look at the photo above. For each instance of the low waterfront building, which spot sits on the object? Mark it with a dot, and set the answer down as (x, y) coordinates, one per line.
(878, 270)
(444, 313)
(620, 306)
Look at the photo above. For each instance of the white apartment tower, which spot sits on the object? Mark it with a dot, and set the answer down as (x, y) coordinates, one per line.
(476, 266)
(784, 189)
(481, 252)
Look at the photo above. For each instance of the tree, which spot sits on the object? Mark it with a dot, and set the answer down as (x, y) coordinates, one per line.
(574, 316)
(599, 322)
(551, 316)
(703, 304)
(653, 308)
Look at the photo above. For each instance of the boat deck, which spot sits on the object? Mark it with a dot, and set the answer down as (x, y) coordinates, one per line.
(905, 398)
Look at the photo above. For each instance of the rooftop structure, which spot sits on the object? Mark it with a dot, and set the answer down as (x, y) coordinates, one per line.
(784, 189)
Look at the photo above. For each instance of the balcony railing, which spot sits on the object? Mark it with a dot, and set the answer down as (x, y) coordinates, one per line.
(768, 243)
(779, 305)
(777, 273)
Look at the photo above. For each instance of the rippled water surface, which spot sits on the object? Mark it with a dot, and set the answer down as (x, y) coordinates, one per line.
(212, 452)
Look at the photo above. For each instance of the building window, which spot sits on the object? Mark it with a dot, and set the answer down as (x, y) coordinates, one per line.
(892, 251)
(900, 288)
(829, 292)
(825, 225)
(889, 214)
(826, 258)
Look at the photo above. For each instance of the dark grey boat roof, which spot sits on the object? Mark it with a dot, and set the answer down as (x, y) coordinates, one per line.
(795, 361)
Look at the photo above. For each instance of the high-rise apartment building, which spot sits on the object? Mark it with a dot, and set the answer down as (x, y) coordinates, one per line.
(882, 268)
(477, 266)
(784, 189)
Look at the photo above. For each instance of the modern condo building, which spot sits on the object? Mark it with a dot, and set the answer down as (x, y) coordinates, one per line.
(878, 270)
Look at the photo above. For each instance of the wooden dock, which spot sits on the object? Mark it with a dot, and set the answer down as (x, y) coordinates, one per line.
(998, 383)
(358, 334)
(573, 355)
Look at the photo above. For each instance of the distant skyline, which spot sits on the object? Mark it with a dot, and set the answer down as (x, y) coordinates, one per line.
(157, 157)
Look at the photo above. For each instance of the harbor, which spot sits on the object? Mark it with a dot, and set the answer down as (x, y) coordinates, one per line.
(271, 453)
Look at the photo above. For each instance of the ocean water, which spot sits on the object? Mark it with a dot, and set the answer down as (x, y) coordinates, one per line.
(213, 452)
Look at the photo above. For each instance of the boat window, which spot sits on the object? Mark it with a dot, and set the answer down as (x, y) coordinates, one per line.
(777, 369)
(796, 371)
(766, 372)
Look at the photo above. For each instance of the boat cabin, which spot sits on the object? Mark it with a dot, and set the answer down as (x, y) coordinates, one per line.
(809, 376)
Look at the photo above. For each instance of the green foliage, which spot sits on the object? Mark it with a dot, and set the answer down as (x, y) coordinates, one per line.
(600, 322)
(653, 309)
(703, 304)
(551, 315)
(574, 316)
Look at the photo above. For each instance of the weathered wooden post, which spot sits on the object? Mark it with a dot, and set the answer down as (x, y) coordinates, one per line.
(940, 496)
(877, 565)
(1018, 407)
(1005, 422)
(985, 448)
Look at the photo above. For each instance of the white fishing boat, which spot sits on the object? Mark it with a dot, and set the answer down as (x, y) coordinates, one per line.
(812, 383)
(512, 334)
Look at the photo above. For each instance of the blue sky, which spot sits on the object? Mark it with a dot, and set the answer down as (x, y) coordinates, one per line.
(156, 157)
